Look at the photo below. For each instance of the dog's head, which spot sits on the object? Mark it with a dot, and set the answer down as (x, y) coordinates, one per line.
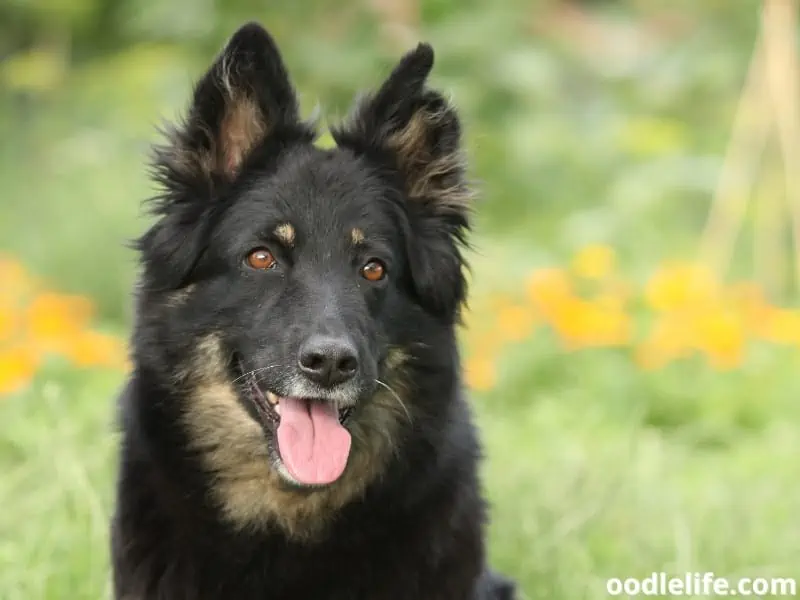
(296, 286)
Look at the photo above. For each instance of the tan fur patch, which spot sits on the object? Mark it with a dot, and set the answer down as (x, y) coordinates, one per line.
(248, 489)
(286, 234)
(242, 128)
(357, 236)
(438, 178)
(179, 297)
(396, 358)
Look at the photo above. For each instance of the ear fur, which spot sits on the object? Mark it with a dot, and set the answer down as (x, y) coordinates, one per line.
(416, 132)
(245, 96)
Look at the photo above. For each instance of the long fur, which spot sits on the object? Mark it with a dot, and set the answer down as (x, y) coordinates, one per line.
(205, 508)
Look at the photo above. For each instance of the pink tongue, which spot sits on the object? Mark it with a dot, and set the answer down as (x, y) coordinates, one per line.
(313, 444)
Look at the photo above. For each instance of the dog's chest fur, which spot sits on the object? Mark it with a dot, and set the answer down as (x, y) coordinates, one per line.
(415, 540)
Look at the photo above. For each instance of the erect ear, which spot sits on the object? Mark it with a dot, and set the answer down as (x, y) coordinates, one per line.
(244, 97)
(242, 102)
(417, 133)
(418, 130)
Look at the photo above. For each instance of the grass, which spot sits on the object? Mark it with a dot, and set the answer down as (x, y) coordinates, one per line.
(582, 488)
(594, 468)
(56, 455)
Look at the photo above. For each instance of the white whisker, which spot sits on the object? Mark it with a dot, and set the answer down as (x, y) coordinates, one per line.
(254, 371)
(397, 397)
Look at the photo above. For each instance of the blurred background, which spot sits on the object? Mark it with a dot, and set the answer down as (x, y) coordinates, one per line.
(631, 343)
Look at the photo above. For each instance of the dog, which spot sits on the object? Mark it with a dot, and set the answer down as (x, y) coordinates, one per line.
(294, 425)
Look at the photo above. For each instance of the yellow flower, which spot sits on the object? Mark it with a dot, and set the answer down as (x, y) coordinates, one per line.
(580, 323)
(782, 326)
(681, 286)
(613, 295)
(669, 338)
(651, 357)
(514, 322)
(55, 320)
(547, 288)
(594, 262)
(480, 331)
(487, 343)
(17, 367)
(480, 373)
(8, 323)
(93, 349)
(610, 327)
(720, 335)
(14, 283)
(748, 300)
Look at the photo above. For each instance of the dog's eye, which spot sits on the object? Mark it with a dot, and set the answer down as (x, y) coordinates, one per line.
(260, 259)
(374, 270)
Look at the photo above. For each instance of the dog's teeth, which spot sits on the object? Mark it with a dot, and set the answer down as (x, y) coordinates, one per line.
(272, 399)
(277, 409)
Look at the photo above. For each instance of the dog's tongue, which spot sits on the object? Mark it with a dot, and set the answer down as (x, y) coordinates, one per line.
(314, 446)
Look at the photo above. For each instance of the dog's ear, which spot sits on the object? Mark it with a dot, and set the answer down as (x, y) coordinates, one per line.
(244, 97)
(417, 133)
(418, 130)
(244, 100)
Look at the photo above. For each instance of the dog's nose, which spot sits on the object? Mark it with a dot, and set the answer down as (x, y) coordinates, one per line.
(328, 361)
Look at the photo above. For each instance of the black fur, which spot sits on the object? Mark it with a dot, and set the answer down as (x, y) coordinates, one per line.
(409, 519)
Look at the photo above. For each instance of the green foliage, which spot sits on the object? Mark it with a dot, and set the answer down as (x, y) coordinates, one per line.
(572, 140)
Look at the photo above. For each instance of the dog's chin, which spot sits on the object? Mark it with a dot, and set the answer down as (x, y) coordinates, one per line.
(264, 406)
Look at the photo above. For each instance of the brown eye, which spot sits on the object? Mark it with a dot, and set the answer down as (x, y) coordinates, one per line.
(261, 259)
(374, 270)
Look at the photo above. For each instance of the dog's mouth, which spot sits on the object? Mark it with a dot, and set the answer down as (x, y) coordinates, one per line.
(313, 444)
(268, 404)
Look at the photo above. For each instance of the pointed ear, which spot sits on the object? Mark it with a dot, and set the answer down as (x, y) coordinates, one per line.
(244, 97)
(242, 102)
(417, 130)
(416, 133)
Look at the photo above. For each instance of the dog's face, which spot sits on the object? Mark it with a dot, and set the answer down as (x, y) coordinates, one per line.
(305, 269)
(296, 282)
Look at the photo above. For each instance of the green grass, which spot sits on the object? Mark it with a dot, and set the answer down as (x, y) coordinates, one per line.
(56, 456)
(582, 488)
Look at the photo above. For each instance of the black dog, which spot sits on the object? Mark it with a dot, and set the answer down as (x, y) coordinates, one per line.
(294, 428)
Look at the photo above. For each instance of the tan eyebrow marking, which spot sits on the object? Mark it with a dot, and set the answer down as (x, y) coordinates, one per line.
(285, 233)
(357, 236)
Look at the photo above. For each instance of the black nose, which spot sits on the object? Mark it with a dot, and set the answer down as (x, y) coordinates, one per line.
(328, 361)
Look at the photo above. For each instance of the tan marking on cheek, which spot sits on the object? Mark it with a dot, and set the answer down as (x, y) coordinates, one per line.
(286, 234)
(245, 483)
(396, 358)
(357, 236)
(179, 297)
